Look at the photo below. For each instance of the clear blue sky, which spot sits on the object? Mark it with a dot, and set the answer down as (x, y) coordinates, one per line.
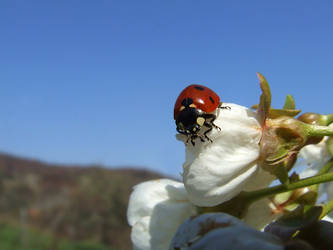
(95, 81)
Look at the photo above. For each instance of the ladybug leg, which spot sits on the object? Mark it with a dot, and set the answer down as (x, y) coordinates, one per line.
(215, 126)
(212, 118)
(202, 138)
(223, 107)
(192, 141)
(206, 136)
(180, 131)
(193, 137)
(226, 107)
(207, 131)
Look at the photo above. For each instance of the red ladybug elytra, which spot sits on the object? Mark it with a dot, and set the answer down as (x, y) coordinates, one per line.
(194, 109)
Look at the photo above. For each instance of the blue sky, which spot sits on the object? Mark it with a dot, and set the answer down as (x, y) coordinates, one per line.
(95, 81)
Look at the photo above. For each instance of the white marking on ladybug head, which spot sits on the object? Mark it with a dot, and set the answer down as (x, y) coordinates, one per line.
(201, 121)
(181, 108)
(193, 106)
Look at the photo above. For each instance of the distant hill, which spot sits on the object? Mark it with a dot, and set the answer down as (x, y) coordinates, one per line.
(72, 202)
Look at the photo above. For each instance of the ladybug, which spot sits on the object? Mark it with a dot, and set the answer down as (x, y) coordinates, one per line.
(195, 108)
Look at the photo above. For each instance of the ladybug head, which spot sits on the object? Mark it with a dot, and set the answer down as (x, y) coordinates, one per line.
(189, 121)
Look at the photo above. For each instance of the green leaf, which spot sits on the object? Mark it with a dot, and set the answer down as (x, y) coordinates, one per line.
(289, 103)
(265, 99)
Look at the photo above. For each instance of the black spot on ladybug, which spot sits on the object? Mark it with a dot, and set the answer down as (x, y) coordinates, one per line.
(199, 88)
(187, 102)
(211, 99)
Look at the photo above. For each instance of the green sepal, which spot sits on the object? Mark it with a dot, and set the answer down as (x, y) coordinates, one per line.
(278, 170)
(281, 141)
(275, 113)
(289, 103)
(255, 106)
(279, 147)
(265, 99)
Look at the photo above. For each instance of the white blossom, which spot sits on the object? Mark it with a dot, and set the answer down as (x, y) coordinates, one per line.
(315, 156)
(156, 209)
(216, 172)
(221, 231)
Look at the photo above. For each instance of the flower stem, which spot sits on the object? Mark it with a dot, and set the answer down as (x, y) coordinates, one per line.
(316, 130)
(262, 193)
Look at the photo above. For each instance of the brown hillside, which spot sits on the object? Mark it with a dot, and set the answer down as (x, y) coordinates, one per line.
(79, 203)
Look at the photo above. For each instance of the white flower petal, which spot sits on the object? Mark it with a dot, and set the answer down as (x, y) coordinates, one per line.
(260, 214)
(140, 234)
(308, 172)
(315, 154)
(147, 195)
(216, 172)
(156, 209)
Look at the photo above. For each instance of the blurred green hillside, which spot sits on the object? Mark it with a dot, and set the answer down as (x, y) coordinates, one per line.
(45, 206)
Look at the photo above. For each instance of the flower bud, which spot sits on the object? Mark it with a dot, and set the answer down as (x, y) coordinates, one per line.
(314, 119)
